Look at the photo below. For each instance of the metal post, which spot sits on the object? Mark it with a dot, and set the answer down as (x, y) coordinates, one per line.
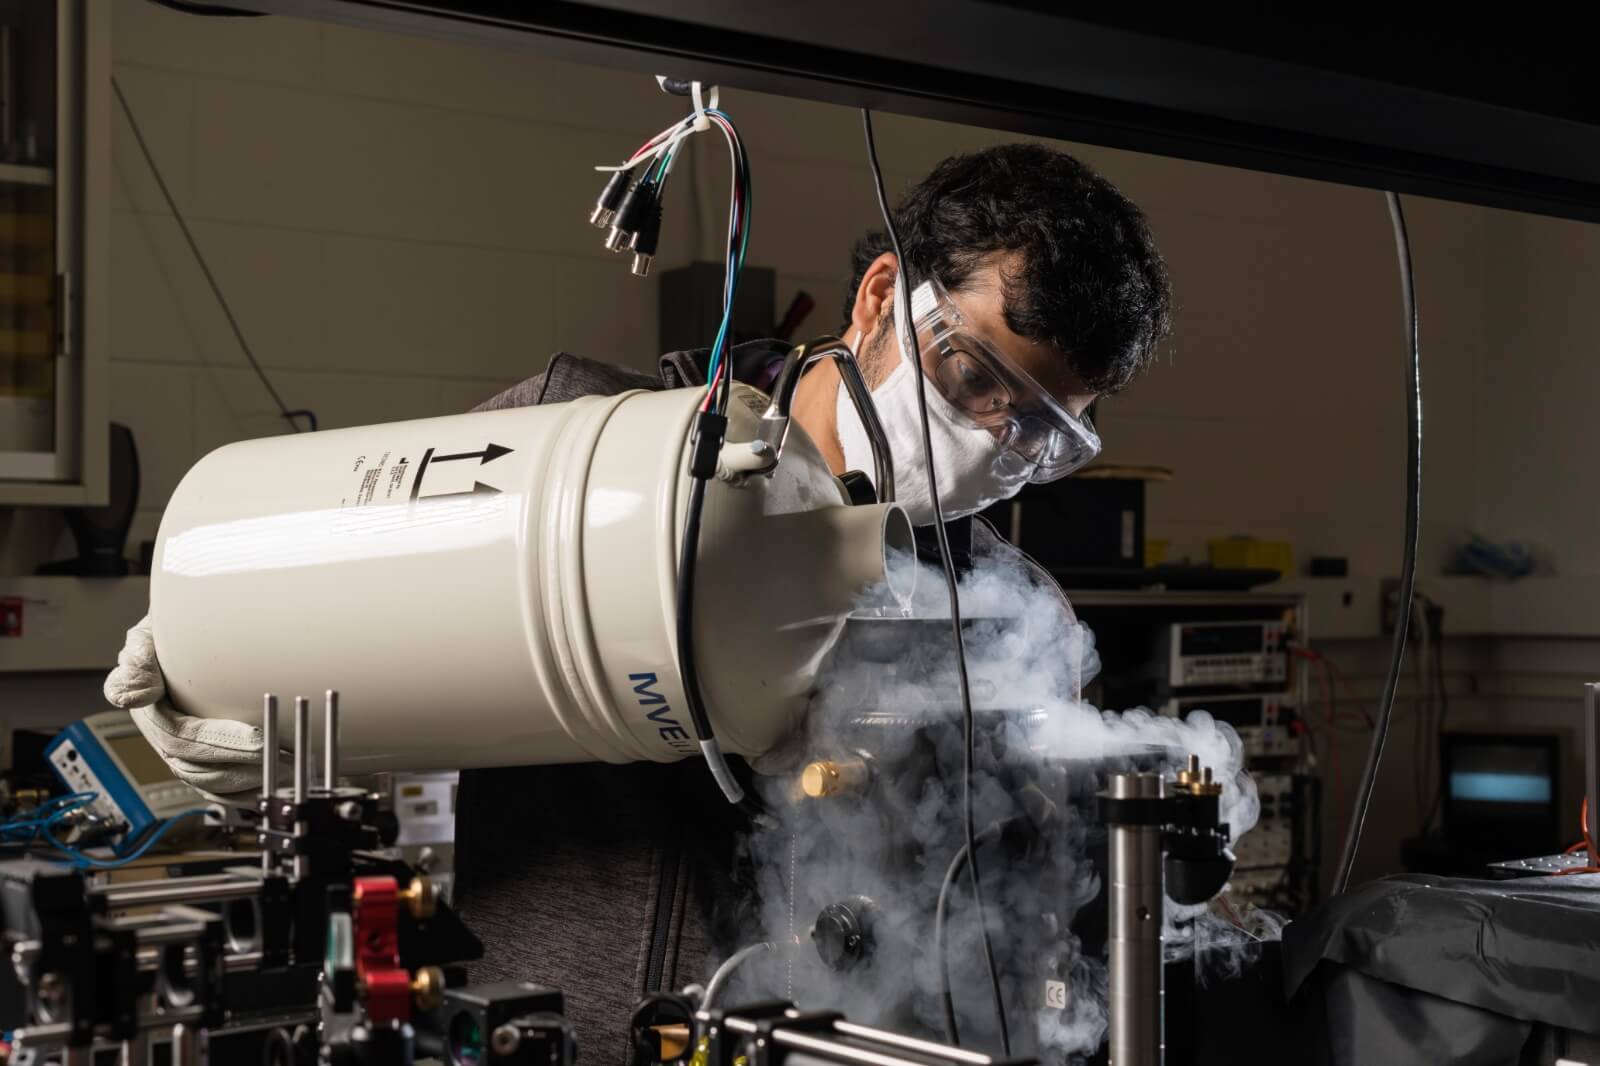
(1591, 762)
(1136, 888)
(188, 1046)
(302, 748)
(135, 1051)
(302, 769)
(330, 741)
(269, 763)
(160, 893)
(269, 745)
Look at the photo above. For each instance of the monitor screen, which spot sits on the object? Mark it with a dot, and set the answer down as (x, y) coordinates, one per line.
(144, 766)
(1501, 793)
(1494, 786)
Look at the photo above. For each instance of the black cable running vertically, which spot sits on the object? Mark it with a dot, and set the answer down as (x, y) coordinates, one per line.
(289, 416)
(903, 298)
(1408, 567)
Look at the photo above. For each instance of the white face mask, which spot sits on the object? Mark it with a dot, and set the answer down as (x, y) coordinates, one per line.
(964, 458)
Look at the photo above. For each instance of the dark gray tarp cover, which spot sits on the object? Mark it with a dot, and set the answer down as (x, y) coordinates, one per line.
(1451, 969)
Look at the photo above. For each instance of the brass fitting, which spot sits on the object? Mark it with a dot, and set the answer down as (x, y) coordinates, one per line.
(427, 988)
(831, 777)
(421, 898)
(1196, 780)
(674, 1040)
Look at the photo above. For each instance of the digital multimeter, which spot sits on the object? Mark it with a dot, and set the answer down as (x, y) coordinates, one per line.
(107, 755)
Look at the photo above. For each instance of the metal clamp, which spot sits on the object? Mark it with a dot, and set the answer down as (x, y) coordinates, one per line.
(775, 419)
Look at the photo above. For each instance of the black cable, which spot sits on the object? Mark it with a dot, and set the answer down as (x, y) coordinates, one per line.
(1419, 730)
(742, 177)
(904, 298)
(205, 268)
(946, 1000)
(706, 442)
(1408, 565)
(688, 558)
(1444, 696)
(1437, 731)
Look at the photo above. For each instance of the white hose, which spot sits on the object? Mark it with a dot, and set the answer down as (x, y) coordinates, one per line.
(732, 963)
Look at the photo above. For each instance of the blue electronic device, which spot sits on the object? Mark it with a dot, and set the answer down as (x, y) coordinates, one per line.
(105, 754)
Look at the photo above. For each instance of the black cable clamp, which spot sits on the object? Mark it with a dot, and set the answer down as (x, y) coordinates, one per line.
(705, 444)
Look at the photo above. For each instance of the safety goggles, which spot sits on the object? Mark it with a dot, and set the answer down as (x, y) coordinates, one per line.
(1041, 440)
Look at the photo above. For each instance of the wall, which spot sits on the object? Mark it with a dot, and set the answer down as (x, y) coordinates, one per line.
(1538, 392)
(1492, 685)
(400, 226)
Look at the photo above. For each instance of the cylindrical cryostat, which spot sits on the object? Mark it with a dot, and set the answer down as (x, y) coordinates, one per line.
(498, 588)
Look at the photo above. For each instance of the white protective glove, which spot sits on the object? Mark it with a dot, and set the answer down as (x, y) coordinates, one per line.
(219, 757)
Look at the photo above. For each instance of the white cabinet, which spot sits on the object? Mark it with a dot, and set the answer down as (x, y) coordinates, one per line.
(54, 202)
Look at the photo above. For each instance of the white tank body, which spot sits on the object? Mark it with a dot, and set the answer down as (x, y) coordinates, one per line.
(497, 588)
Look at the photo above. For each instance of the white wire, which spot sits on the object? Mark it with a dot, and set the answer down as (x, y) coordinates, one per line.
(730, 964)
(732, 252)
(661, 142)
(668, 140)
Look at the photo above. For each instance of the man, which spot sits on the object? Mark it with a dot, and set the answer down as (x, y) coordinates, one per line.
(1038, 288)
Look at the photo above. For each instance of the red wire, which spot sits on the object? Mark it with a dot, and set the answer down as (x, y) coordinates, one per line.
(1586, 844)
(1334, 772)
(1349, 690)
(1360, 712)
(711, 386)
(1233, 915)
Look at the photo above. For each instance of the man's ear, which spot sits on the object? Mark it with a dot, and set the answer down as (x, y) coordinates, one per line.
(873, 295)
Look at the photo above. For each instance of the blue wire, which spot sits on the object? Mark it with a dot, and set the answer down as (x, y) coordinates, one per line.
(734, 263)
(74, 799)
(81, 860)
(39, 816)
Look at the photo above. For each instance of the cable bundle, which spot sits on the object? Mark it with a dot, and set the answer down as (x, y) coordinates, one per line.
(630, 208)
(630, 205)
(35, 821)
(44, 820)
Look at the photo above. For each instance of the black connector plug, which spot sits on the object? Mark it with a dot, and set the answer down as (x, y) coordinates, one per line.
(646, 238)
(705, 444)
(605, 208)
(633, 210)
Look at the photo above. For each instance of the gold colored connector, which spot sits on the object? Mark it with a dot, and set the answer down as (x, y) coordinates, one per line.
(421, 898)
(1196, 780)
(830, 777)
(674, 1040)
(427, 988)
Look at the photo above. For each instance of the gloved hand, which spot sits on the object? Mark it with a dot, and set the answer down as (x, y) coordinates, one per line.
(216, 756)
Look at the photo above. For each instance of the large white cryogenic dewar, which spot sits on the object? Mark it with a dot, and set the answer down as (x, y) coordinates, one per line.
(499, 588)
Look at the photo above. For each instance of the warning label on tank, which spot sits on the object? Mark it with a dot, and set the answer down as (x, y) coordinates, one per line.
(391, 479)
(377, 480)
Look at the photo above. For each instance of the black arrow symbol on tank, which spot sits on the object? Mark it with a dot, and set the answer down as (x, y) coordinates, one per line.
(479, 489)
(488, 455)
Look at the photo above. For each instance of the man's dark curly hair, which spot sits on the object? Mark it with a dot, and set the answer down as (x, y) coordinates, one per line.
(1084, 274)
